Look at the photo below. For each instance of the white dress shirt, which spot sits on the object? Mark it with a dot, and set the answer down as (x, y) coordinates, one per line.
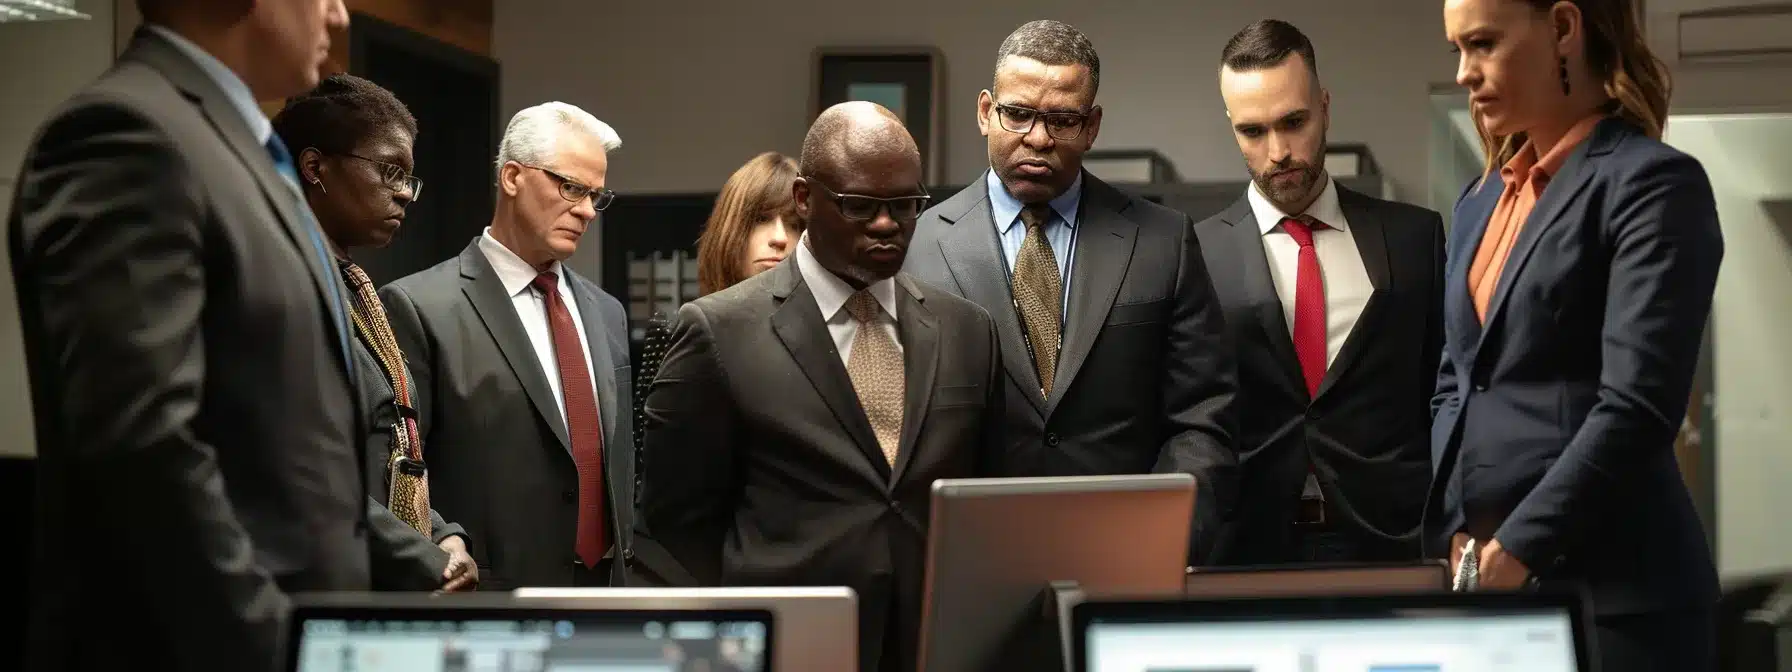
(532, 309)
(831, 294)
(1347, 286)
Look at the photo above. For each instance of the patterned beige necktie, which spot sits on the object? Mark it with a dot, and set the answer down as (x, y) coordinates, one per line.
(875, 366)
(1039, 292)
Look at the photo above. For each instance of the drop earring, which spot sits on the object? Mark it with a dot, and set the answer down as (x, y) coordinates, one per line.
(320, 183)
(1563, 66)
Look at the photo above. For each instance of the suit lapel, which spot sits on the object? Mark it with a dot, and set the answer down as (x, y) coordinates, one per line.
(282, 196)
(603, 362)
(1372, 246)
(1260, 294)
(1471, 217)
(975, 258)
(1103, 253)
(1563, 187)
(498, 313)
(916, 326)
(799, 326)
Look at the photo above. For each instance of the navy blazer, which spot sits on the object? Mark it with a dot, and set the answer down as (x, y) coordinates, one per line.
(1554, 422)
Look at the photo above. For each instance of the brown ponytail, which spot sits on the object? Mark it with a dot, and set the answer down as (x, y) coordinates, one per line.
(1616, 51)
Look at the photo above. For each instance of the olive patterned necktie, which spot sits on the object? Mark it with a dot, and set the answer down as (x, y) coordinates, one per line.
(1039, 294)
(408, 483)
(875, 366)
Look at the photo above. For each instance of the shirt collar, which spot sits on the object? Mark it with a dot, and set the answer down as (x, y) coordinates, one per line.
(1005, 208)
(515, 274)
(1325, 209)
(831, 292)
(1526, 163)
(234, 89)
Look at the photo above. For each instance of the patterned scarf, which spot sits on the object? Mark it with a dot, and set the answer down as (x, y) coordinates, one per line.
(409, 483)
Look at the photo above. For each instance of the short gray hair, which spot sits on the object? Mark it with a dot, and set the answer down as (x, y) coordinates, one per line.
(531, 137)
(1052, 43)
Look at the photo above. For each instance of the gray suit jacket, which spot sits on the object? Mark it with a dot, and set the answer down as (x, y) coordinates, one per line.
(764, 470)
(499, 460)
(1145, 378)
(199, 450)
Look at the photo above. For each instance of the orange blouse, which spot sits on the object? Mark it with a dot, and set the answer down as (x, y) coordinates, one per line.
(1525, 176)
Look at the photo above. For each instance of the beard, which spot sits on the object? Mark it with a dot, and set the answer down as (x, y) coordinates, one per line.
(1287, 190)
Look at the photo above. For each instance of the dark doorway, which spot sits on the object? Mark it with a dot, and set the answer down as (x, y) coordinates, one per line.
(454, 95)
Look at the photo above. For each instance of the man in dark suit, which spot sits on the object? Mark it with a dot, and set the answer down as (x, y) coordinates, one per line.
(187, 347)
(521, 369)
(800, 417)
(1332, 298)
(1113, 340)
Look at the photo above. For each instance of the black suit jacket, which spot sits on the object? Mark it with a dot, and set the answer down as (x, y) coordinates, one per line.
(764, 471)
(403, 559)
(1555, 420)
(1145, 378)
(199, 453)
(1365, 434)
(499, 461)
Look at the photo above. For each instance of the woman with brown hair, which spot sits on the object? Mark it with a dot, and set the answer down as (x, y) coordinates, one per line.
(1579, 281)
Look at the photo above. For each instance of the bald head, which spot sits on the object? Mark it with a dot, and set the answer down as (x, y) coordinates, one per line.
(851, 133)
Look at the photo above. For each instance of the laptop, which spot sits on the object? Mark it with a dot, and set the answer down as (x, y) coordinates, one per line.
(995, 545)
(817, 628)
(497, 633)
(1410, 632)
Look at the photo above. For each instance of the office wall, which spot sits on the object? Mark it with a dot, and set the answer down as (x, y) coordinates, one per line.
(1752, 176)
(63, 55)
(696, 88)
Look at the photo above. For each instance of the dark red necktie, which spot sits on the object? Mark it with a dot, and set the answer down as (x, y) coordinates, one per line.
(582, 424)
(1309, 303)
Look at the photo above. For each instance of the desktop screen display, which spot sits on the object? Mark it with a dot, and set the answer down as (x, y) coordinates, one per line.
(1532, 641)
(546, 642)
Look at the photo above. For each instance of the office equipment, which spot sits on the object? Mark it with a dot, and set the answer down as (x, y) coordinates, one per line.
(1432, 632)
(1299, 580)
(392, 632)
(816, 628)
(995, 545)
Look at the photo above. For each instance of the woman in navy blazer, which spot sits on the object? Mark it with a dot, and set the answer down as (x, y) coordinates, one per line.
(1579, 281)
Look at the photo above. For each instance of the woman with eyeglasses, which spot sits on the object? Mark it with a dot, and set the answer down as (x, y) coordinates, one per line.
(1579, 281)
(352, 142)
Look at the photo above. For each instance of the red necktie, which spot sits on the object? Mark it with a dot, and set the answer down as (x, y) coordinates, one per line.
(1309, 303)
(582, 425)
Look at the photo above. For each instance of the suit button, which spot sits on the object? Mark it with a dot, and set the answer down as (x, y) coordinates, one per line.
(570, 495)
(1560, 560)
(628, 555)
(1051, 440)
(896, 506)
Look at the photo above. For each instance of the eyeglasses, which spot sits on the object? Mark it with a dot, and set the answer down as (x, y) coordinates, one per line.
(861, 208)
(395, 177)
(1059, 125)
(573, 191)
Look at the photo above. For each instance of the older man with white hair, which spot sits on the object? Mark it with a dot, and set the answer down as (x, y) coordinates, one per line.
(521, 368)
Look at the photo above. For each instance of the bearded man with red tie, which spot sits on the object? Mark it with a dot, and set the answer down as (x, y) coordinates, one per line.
(1334, 301)
(521, 369)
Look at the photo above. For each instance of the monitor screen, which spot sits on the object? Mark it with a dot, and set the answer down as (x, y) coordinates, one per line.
(522, 640)
(1454, 640)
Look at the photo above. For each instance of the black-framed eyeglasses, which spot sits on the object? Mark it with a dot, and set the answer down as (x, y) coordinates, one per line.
(859, 208)
(574, 191)
(393, 176)
(1059, 125)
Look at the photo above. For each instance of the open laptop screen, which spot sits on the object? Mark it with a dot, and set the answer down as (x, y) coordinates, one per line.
(1360, 634)
(522, 639)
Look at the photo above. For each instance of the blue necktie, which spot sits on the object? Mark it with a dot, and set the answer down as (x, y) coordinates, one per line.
(283, 163)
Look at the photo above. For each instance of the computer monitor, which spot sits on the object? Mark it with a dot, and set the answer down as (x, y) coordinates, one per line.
(1436, 632)
(994, 546)
(471, 633)
(817, 628)
(1319, 579)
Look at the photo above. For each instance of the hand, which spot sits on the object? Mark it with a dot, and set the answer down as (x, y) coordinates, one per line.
(1457, 542)
(1501, 570)
(462, 573)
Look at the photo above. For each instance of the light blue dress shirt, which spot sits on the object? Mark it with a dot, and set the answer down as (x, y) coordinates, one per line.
(1005, 209)
(234, 88)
